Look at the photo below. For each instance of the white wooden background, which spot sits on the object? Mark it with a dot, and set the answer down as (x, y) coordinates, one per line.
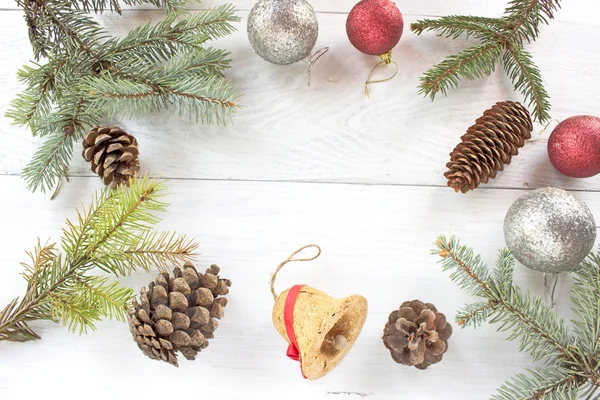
(362, 178)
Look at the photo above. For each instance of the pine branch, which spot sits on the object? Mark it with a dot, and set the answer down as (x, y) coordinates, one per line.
(49, 163)
(205, 99)
(539, 330)
(527, 15)
(17, 331)
(503, 273)
(100, 6)
(475, 314)
(165, 39)
(53, 24)
(572, 361)
(36, 100)
(453, 26)
(65, 126)
(585, 297)
(114, 217)
(42, 258)
(473, 63)
(107, 297)
(535, 325)
(527, 79)
(205, 62)
(164, 65)
(550, 383)
(519, 24)
(169, 5)
(152, 249)
(468, 271)
(58, 287)
(194, 31)
(72, 311)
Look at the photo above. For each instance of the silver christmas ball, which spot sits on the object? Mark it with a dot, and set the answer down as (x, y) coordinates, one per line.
(283, 31)
(549, 230)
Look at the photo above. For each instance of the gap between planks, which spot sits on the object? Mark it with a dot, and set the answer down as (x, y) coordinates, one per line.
(316, 182)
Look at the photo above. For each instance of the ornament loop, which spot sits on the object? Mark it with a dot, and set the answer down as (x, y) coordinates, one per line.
(543, 139)
(550, 292)
(386, 59)
(292, 259)
(58, 186)
(313, 58)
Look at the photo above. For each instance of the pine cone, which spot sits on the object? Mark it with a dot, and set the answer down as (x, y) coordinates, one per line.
(113, 154)
(488, 145)
(178, 313)
(417, 334)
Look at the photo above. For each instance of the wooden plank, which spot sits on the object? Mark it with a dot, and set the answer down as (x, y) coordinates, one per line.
(579, 10)
(375, 241)
(331, 132)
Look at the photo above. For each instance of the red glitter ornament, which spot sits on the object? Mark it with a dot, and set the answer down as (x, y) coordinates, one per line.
(574, 146)
(375, 26)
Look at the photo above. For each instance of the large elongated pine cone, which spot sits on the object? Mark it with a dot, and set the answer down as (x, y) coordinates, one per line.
(113, 154)
(488, 145)
(417, 334)
(178, 313)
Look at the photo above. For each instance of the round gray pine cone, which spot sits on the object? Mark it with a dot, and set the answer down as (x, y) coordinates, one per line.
(113, 154)
(417, 334)
(178, 313)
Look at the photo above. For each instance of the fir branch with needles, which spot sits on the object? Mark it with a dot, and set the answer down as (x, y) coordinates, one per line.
(82, 74)
(569, 358)
(116, 235)
(502, 41)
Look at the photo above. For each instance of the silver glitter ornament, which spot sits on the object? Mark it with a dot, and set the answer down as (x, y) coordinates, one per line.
(549, 230)
(283, 31)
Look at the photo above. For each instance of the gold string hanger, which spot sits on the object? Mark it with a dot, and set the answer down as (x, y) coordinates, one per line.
(385, 59)
(540, 138)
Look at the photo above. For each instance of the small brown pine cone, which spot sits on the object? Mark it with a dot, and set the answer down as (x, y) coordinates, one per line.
(488, 145)
(113, 154)
(177, 313)
(417, 334)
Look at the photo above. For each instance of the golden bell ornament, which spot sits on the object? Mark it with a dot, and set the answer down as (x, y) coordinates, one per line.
(319, 329)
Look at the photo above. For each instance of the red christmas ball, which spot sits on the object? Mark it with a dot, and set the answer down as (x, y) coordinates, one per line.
(374, 26)
(574, 146)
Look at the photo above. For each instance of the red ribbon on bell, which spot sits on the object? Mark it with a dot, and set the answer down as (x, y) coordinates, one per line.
(293, 351)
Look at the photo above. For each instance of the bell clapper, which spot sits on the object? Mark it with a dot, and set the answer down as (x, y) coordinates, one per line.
(339, 342)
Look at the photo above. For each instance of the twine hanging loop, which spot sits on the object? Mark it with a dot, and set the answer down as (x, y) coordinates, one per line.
(292, 259)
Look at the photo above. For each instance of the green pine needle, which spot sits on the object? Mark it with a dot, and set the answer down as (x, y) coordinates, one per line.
(548, 383)
(115, 234)
(527, 79)
(90, 74)
(473, 63)
(502, 39)
(571, 360)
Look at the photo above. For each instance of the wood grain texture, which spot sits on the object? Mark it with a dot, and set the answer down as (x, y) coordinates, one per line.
(573, 10)
(331, 132)
(361, 178)
(376, 242)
